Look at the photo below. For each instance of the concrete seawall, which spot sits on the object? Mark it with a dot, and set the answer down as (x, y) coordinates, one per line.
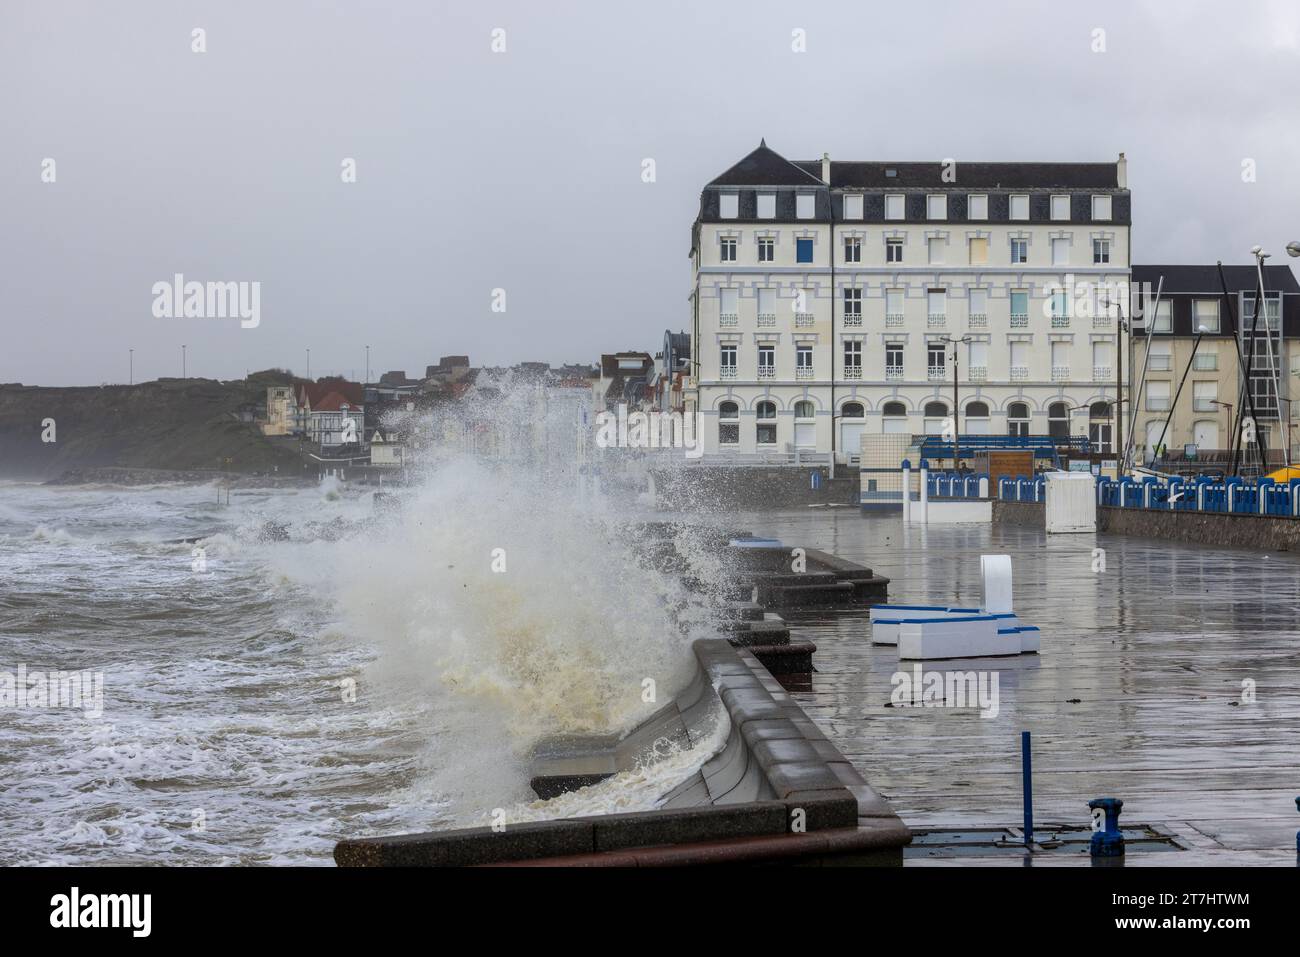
(754, 488)
(778, 791)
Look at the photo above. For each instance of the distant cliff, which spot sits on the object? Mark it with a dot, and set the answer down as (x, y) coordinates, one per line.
(175, 424)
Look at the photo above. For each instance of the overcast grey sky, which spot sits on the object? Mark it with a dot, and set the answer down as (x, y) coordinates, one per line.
(522, 170)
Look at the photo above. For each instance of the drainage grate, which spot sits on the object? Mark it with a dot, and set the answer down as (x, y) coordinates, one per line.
(1010, 841)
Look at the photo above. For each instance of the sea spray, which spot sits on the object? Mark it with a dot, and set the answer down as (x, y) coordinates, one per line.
(513, 608)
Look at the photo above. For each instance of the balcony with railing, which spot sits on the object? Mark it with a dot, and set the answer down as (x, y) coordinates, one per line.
(936, 320)
(853, 372)
(1101, 322)
(728, 372)
(729, 319)
(1019, 373)
(893, 373)
(767, 319)
(1060, 322)
(767, 371)
(979, 320)
(1020, 320)
(935, 373)
(803, 372)
(977, 373)
(1060, 373)
(1101, 373)
(893, 319)
(803, 318)
(853, 319)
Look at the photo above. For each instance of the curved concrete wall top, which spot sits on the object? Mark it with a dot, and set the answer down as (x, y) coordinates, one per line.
(777, 790)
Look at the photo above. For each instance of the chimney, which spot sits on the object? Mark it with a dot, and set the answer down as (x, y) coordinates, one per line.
(826, 168)
(1121, 172)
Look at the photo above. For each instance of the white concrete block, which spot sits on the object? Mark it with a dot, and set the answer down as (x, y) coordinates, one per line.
(995, 575)
(969, 636)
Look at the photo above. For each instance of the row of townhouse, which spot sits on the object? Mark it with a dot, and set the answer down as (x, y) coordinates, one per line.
(835, 298)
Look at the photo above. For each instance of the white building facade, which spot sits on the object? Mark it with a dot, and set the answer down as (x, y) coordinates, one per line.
(831, 299)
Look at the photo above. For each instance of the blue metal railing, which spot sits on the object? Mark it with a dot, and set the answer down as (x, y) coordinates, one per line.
(1235, 496)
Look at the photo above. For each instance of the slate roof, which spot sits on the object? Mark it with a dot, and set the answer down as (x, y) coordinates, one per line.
(873, 175)
(765, 167)
(1205, 278)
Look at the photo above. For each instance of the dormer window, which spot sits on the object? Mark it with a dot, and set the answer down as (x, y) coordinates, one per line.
(805, 205)
(894, 206)
(767, 205)
(1101, 208)
(1061, 207)
(936, 206)
(977, 206)
(853, 206)
(729, 206)
(1019, 205)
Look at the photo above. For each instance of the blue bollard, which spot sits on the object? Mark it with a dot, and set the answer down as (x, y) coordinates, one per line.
(1107, 841)
(1027, 784)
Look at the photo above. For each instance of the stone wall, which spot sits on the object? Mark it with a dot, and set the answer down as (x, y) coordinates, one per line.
(1026, 514)
(708, 487)
(1264, 532)
(1260, 532)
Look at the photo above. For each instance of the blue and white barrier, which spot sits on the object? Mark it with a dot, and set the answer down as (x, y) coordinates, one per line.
(1235, 496)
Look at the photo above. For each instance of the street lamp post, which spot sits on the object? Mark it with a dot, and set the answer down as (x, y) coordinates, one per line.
(956, 407)
(184, 374)
(1228, 406)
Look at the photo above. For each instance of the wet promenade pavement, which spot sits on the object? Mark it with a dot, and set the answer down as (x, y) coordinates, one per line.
(1141, 690)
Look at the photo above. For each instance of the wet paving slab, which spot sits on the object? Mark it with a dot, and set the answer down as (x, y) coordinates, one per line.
(1169, 677)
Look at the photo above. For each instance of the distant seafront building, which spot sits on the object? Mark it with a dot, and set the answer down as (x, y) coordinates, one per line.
(825, 295)
(1191, 297)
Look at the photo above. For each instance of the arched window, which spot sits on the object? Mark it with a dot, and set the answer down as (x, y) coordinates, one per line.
(895, 418)
(765, 413)
(1099, 428)
(728, 423)
(853, 410)
(977, 418)
(1017, 419)
(1058, 420)
(935, 415)
(805, 428)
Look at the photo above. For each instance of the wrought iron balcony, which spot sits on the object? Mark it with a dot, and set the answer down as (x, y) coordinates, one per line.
(729, 319)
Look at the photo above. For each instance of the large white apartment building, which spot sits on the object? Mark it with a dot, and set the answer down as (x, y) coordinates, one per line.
(831, 298)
